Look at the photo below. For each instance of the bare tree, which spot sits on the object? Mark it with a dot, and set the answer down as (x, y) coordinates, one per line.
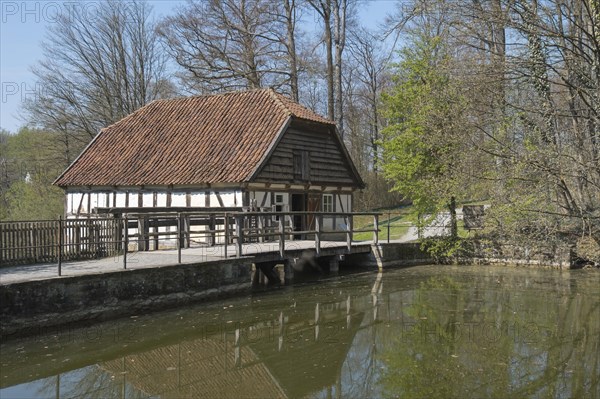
(234, 44)
(370, 63)
(97, 69)
(340, 18)
(290, 18)
(335, 16)
(324, 8)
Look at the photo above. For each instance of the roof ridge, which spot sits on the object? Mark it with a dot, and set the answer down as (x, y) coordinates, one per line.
(278, 101)
(206, 95)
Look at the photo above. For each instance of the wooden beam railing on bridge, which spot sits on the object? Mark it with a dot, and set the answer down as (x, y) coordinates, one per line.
(66, 241)
(281, 231)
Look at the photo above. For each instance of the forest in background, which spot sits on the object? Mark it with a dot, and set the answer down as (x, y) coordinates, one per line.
(494, 101)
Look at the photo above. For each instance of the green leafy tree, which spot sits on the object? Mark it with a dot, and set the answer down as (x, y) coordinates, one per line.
(29, 162)
(423, 146)
(34, 200)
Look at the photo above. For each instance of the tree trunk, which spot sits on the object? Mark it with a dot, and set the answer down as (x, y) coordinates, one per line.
(339, 15)
(323, 8)
(453, 221)
(330, 73)
(290, 20)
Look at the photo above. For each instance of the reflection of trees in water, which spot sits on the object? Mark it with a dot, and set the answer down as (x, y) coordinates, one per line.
(91, 382)
(498, 336)
(477, 334)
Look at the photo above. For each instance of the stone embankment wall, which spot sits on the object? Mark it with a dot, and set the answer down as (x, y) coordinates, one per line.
(36, 305)
(525, 254)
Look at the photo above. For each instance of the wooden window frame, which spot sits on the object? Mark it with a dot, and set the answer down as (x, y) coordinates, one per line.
(327, 206)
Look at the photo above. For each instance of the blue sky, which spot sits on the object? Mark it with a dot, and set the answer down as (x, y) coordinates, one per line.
(23, 26)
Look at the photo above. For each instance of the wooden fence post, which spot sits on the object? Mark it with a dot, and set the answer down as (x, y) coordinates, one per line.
(142, 228)
(226, 226)
(60, 245)
(156, 230)
(125, 242)
(239, 233)
(179, 237)
(187, 227)
(77, 238)
(388, 227)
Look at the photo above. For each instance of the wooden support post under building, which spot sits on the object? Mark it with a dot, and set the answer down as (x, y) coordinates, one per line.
(211, 227)
(179, 237)
(156, 229)
(142, 233)
(226, 227)
(239, 233)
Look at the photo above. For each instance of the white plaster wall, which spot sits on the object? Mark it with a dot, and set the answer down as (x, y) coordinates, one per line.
(177, 199)
(340, 205)
(100, 200)
(73, 200)
(229, 198)
(161, 199)
(93, 201)
(197, 199)
(120, 202)
(133, 199)
(346, 200)
(148, 200)
(328, 223)
(214, 202)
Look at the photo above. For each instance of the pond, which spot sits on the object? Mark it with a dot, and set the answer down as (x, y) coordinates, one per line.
(426, 331)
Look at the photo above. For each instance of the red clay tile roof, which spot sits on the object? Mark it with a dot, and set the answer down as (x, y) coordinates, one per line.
(206, 139)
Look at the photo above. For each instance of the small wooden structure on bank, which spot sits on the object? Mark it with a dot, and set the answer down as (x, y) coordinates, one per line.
(254, 150)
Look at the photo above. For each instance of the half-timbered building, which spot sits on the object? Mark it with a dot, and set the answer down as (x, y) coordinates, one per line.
(255, 150)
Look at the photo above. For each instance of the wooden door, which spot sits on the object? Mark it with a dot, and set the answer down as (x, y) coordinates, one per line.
(313, 205)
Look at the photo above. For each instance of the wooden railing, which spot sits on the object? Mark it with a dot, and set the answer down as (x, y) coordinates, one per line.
(77, 239)
(50, 241)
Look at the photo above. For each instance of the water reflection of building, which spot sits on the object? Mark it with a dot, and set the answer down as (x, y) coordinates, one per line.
(199, 368)
(294, 358)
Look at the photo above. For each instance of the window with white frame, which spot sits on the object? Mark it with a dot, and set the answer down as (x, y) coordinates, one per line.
(328, 203)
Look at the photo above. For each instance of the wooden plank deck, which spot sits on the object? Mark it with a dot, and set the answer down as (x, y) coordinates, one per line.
(253, 252)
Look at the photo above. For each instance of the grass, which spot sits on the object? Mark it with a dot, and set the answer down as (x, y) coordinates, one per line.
(399, 224)
(398, 221)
